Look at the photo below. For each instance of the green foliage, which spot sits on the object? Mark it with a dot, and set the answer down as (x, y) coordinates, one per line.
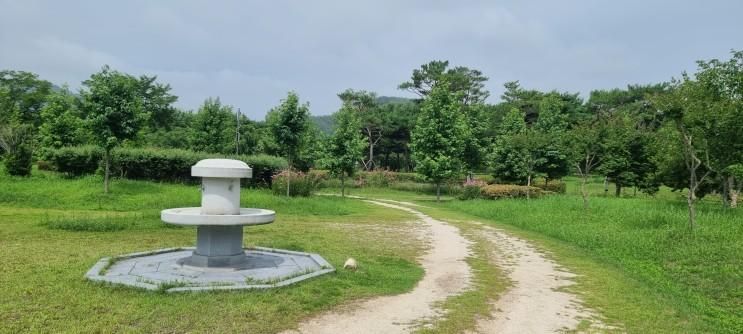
(317, 224)
(74, 161)
(157, 102)
(472, 189)
(289, 122)
(510, 156)
(17, 142)
(170, 165)
(302, 184)
(691, 281)
(213, 128)
(89, 224)
(62, 121)
(113, 106)
(22, 95)
(496, 191)
(554, 186)
(470, 82)
(439, 136)
(346, 145)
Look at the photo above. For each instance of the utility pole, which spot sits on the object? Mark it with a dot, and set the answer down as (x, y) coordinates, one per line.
(237, 132)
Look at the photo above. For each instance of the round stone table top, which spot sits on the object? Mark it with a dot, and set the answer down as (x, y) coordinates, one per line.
(193, 216)
(221, 168)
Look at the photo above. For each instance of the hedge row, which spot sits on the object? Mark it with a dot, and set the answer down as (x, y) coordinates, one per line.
(495, 191)
(153, 164)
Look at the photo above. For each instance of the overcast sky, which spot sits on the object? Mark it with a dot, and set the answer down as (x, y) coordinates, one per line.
(250, 53)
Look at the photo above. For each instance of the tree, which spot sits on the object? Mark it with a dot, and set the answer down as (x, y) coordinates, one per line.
(213, 128)
(345, 146)
(364, 103)
(439, 136)
(507, 159)
(17, 142)
(470, 82)
(549, 137)
(683, 107)
(475, 145)
(22, 95)
(721, 93)
(586, 147)
(398, 118)
(112, 105)
(157, 102)
(62, 122)
(288, 126)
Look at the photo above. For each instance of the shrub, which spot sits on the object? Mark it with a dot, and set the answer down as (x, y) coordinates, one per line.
(495, 191)
(472, 189)
(44, 165)
(74, 161)
(20, 161)
(17, 143)
(378, 178)
(427, 188)
(155, 164)
(409, 177)
(302, 184)
(555, 186)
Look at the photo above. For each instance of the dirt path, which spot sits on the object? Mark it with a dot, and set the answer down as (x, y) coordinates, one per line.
(535, 303)
(446, 274)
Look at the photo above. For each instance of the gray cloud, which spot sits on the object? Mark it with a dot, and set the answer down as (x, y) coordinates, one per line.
(251, 53)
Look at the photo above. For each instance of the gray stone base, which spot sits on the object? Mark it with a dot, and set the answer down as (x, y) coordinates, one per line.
(169, 270)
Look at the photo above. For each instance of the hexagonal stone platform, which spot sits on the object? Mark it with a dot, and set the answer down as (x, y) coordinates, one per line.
(162, 270)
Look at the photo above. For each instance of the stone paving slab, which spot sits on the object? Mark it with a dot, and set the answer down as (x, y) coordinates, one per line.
(161, 270)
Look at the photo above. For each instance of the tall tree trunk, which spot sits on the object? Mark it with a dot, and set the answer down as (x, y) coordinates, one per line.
(618, 190)
(107, 172)
(438, 191)
(288, 178)
(343, 184)
(528, 187)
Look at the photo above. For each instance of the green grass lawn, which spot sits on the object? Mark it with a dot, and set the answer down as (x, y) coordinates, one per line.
(640, 264)
(53, 229)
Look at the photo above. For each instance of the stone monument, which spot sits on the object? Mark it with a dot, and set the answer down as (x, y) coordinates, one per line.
(219, 261)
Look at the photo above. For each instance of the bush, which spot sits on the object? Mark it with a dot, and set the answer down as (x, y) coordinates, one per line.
(20, 161)
(495, 191)
(555, 186)
(74, 161)
(17, 143)
(154, 164)
(377, 178)
(44, 165)
(302, 184)
(472, 189)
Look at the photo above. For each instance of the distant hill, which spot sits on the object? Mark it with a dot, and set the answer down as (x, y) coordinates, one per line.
(393, 99)
(324, 123)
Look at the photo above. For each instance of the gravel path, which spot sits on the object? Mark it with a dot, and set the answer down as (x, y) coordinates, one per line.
(446, 274)
(536, 302)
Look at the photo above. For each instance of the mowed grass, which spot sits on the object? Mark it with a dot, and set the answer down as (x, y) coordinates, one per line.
(639, 263)
(53, 229)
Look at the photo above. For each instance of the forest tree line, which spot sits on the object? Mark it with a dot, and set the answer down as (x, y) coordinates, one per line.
(684, 133)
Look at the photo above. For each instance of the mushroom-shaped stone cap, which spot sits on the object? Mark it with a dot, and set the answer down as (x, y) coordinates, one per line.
(221, 168)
